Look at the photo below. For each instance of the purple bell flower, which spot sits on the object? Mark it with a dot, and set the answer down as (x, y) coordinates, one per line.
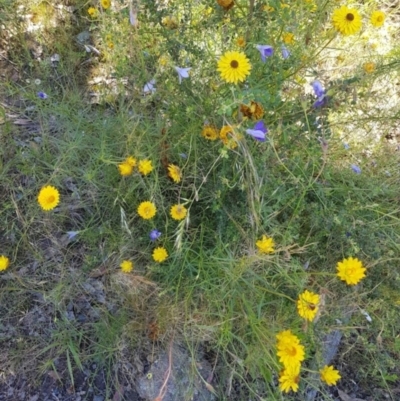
(259, 132)
(154, 235)
(265, 51)
(320, 93)
(285, 52)
(356, 169)
(42, 95)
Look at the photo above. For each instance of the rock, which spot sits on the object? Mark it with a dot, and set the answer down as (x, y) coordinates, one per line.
(175, 376)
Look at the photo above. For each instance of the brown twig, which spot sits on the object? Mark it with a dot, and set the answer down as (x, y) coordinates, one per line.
(163, 388)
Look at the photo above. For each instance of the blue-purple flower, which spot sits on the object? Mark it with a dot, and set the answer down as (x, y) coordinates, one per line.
(133, 17)
(285, 52)
(259, 132)
(265, 51)
(42, 95)
(356, 169)
(149, 87)
(320, 93)
(154, 235)
(182, 73)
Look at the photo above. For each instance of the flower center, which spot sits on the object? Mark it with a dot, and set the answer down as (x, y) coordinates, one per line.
(311, 306)
(350, 17)
(379, 19)
(51, 199)
(292, 351)
(234, 64)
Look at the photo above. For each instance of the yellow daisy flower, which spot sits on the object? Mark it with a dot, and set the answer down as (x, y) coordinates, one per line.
(93, 12)
(377, 18)
(288, 38)
(369, 67)
(265, 244)
(347, 21)
(289, 349)
(289, 378)
(240, 41)
(4, 262)
(126, 266)
(48, 197)
(234, 67)
(163, 61)
(105, 4)
(131, 161)
(178, 212)
(145, 167)
(125, 169)
(268, 9)
(226, 4)
(350, 270)
(147, 210)
(307, 305)
(209, 132)
(329, 375)
(170, 22)
(160, 254)
(174, 172)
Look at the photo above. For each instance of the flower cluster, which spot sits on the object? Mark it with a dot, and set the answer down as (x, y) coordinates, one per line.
(347, 21)
(291, 354)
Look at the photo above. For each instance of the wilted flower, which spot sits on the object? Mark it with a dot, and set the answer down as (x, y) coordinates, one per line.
(226, 4)
(265, 51)
(149, 87)
(255, 111)
(154, 234)
(356, 169)
(259, 131)
(182, 73)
